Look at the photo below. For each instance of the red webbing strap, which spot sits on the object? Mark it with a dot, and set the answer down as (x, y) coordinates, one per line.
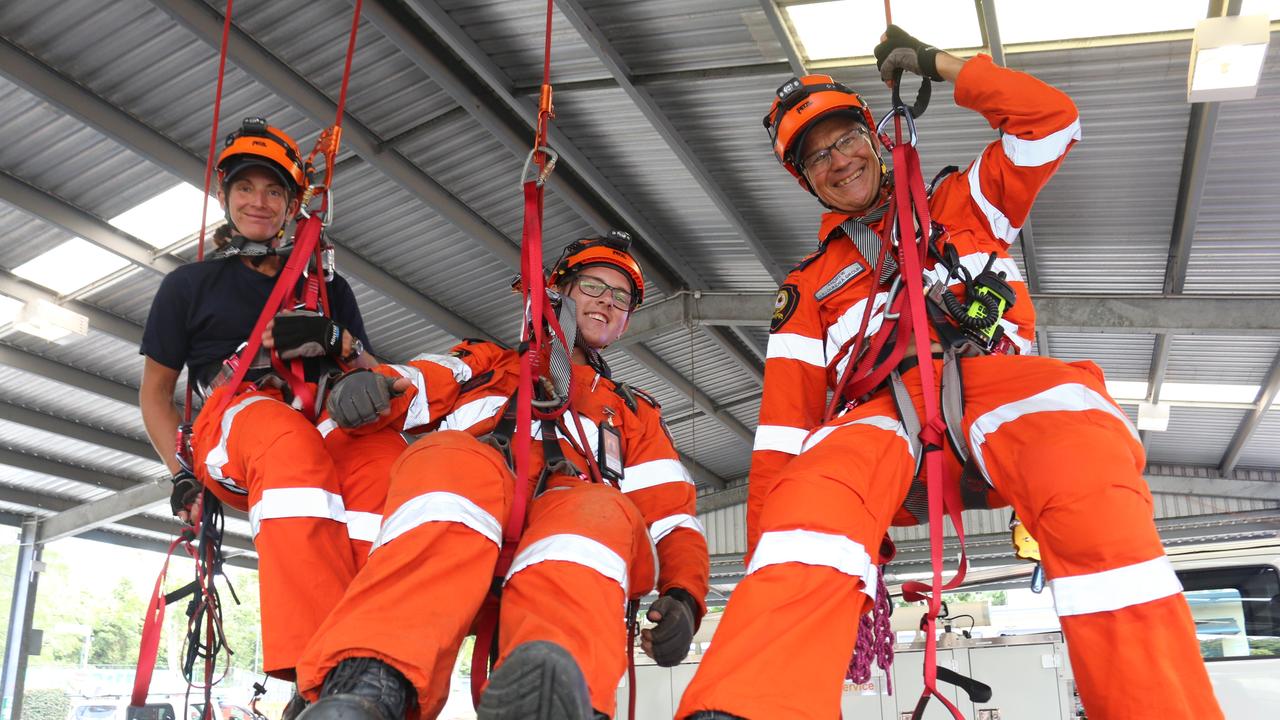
(153, 625)
(913, 221)
(305, 239)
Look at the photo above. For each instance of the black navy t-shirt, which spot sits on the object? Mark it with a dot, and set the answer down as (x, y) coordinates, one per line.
(204, 310)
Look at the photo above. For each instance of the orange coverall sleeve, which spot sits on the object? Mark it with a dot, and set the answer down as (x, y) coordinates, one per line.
(795, 390)
(437, 381)
(1039, 124)
(656, 481)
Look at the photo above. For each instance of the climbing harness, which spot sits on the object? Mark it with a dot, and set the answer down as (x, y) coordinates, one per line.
(205, 638)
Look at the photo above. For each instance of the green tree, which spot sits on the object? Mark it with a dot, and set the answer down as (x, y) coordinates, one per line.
(117, 627)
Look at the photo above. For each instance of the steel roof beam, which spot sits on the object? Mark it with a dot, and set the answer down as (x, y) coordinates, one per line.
(682, 385)
(701, 474)
(68, 375)
(779, 24)
(76, 431)
(1178, 314)
(53, 468)
(1266, 396)
(42, 204)
(617, 66)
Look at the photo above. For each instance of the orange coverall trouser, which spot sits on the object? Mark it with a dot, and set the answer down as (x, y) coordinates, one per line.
(314, 497)
(1058, 449)
(585, 551)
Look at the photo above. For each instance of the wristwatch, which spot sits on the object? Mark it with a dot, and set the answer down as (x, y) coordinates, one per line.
(357, 349)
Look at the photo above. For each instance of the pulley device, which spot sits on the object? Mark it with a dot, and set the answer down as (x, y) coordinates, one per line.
(308, 255)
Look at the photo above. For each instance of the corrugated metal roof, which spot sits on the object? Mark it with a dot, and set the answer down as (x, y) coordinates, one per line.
(1196, 435)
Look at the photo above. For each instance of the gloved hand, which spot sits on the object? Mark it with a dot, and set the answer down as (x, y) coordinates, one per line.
(668, 642)
(301, 333)
(900, 50)
(360, 396)
(186, 488)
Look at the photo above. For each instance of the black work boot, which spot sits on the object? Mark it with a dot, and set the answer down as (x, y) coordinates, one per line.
(361, 689)
(538, 681)
(712, 715)
(296, 705)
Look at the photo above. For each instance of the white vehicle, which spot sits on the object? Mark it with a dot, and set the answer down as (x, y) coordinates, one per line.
(1234, 593)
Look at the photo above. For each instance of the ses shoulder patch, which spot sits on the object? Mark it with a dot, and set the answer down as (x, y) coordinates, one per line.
(784, 306)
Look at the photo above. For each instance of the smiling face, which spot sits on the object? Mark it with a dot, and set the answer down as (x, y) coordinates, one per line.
(849, 183)
(257, 203)
(600, 321)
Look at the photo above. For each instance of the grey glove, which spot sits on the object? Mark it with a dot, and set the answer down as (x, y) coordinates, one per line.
(359, 397)
(674, 632)
(902, 51)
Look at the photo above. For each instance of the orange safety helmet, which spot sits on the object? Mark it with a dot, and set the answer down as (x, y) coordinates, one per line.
(257, 144)
(800, 104)
(614, 249)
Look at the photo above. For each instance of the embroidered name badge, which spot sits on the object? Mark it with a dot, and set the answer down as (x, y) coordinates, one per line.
(841, 279)
(784, 306)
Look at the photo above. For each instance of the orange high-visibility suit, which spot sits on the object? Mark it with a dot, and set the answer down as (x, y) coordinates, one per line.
(587, 548)
(314, 495)
(1044, 434)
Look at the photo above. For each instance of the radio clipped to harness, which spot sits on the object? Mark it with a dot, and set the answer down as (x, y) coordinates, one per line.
(987, 297)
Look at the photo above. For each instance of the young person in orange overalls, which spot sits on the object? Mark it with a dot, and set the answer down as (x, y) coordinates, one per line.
(313, 492)
(588, 547)
(1043, 435)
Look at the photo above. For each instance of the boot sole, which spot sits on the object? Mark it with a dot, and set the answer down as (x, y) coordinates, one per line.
(539, 681)
(342, 707)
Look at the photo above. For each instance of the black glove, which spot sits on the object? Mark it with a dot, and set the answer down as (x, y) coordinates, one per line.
(673, 634)
(186, 488)
(901, 50)
(359, 397)
(300, 333)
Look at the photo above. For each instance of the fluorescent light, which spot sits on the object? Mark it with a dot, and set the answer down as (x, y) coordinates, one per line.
(852, 28)
(1121, 390)
(9, 309)
(1153, 417)
(70, 266)
(49, 321)
(1226, 58)
(168, 217)
(1028, 21)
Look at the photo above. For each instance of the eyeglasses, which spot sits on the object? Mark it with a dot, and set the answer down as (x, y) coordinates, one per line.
(819, 160)
(592, 287)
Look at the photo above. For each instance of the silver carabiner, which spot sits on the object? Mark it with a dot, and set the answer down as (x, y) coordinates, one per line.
(546, 169)
(904, 112)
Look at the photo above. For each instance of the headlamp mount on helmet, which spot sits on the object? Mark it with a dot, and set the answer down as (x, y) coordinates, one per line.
(612, 249)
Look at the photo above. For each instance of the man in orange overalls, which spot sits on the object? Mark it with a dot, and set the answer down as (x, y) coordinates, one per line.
(587, 549)
(1042, 435)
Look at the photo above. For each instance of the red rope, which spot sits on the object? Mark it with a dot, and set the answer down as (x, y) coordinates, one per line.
(213, 131)
(346, 70)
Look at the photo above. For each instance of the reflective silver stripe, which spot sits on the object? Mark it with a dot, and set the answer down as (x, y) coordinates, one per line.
(575, 549)
(296, 502)
(883, 422)
(663, 527)
(1034, 153)
(588, 426)
(1115, 589)
(811, 548)
(326, 426)
(217, 457)
(654, 472)
(363, 525)
(419, 412)
(797, 347)
(779, 437)
(1000, 225)
(849, 322)
(1072, 397)
(871, 583)
(474, 412)
(461, 371)
(438, 506)
(974, 263)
